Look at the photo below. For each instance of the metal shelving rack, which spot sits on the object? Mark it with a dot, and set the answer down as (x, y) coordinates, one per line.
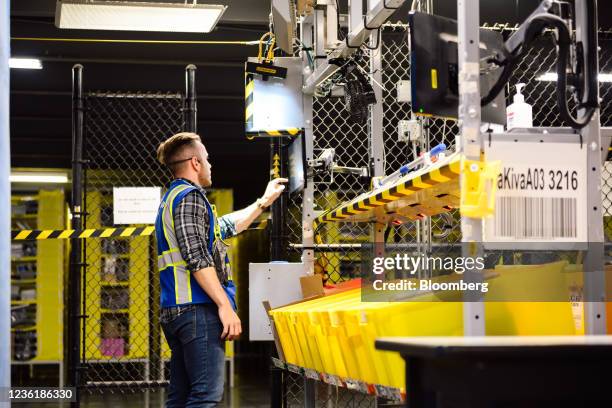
(49, 260)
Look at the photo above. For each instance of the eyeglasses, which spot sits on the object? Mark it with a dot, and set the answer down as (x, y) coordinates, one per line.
(183, 160)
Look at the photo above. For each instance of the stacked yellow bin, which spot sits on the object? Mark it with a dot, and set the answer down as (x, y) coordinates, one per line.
(335, 334)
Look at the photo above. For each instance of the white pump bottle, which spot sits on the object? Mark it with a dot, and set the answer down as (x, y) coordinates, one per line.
(520, 113)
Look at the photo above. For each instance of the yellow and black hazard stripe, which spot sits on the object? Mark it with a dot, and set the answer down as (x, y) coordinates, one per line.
(35, 235)
(249, 87)
(436, 176)
(291, 132)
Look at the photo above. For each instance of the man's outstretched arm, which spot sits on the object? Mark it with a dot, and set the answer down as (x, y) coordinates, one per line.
(243, 218)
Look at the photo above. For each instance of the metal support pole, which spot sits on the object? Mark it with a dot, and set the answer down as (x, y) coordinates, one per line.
(594, 276)
(308, 36)
(319, 28)
(331, 26)
(308, 215)
(468, 14)
(5, 206)
(375, 134)
(191, 102)
(375, 125)
(76, 262)
(355, 14)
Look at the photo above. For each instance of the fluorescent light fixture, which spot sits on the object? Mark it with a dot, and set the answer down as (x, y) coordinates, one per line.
(137, 16)
(25, 63)
(552, 77)
(42, 177)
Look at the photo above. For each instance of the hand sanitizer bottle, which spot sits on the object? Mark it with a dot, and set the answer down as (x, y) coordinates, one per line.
(519, 114)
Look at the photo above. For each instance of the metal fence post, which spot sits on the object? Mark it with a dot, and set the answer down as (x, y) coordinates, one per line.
(5, 206)
(191, 103)
(469, 119)
(76, 263)
(594, 276)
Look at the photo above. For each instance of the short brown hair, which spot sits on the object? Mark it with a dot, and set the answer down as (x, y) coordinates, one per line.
(173, 148)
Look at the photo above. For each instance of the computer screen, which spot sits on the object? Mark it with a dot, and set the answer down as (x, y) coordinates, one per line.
(297, 164)
(434, 69)
(283, 17)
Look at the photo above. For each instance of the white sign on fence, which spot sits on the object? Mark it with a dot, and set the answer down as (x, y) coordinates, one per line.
(135, 205)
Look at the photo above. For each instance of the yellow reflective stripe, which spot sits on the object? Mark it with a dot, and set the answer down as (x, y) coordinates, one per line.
(167, 203)
(170, 258)
(181, 289)
(189, 294)
(176, 294)
(168, 207)
(178, 190)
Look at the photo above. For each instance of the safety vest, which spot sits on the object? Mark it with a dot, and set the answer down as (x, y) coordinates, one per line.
(178, 286)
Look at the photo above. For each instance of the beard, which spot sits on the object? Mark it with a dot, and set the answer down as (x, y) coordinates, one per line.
(204, 180)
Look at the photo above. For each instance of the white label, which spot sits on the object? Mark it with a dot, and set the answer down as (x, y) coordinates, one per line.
(135, 205)
(541, 193)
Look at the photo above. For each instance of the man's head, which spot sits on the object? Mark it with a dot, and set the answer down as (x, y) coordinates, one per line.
(186, 157)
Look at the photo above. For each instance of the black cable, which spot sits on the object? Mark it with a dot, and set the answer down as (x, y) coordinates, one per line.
(535, 27)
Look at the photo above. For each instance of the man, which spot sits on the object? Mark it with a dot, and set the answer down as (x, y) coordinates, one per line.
(197, 292)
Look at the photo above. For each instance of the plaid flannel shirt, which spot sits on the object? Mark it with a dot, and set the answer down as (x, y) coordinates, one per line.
(192, 225)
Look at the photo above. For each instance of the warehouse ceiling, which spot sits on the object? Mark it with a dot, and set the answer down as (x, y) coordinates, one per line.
(41, 103)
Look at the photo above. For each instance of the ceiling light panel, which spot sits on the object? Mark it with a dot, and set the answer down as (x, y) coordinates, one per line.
(25, 63)
(137, 16)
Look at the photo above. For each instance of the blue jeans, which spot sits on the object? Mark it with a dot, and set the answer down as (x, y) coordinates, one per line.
(197, 364)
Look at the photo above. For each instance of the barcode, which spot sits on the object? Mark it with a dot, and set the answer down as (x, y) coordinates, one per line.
(536, 217)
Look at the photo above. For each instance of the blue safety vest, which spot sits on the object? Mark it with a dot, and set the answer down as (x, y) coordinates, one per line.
(178, 286)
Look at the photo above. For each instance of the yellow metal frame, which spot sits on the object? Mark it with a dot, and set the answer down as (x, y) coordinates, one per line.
(425, 193)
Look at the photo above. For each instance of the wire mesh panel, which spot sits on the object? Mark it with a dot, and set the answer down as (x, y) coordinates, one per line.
(332, 396)
(605, 89)
(325, 395)
(122, 342)
(332, 129)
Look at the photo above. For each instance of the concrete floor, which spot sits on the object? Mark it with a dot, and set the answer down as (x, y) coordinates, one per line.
(251, 389)
(244, 395)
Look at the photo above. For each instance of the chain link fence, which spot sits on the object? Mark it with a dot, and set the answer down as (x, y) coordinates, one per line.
(122, 343)
(325, 395)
